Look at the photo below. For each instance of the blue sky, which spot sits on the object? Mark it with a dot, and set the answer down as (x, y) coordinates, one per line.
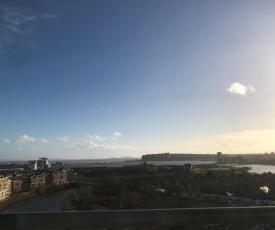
(97, 79)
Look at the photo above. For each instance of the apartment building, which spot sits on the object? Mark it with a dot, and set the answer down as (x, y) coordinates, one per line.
(16, 185)
(5, 188)
(34, 181)
(57, 178)
(42, 164)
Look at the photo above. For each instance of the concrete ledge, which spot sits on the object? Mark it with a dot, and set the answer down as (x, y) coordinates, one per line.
(119, 219)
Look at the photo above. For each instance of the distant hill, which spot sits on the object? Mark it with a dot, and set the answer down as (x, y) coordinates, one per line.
(179, 157)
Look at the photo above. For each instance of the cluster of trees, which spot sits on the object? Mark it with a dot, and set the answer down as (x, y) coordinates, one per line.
(132, 188)
(136, 188)
(241, 184)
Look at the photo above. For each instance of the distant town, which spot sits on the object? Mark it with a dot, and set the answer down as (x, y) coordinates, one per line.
(215, 180)
(144, 185)
(22, 180)
(249, 158)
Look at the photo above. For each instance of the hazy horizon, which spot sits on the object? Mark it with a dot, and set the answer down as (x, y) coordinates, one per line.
(102, 79)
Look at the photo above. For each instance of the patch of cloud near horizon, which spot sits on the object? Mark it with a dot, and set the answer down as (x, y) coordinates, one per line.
(23, 139)
(237, 88)
(89, 143)
(6, 141)
(64, 139)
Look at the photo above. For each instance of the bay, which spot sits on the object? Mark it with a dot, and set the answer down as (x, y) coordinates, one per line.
(259, 169)
(133, 163)
(41, 203)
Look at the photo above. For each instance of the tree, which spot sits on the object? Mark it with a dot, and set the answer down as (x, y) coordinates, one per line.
(85, 194)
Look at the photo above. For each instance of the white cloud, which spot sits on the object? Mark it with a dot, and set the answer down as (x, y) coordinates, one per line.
(86, 145)
(26, 139)
(89, 145)
(6, 141)
(95, 137)
(115, 135)
(237, 88)
(250, 88)
(64, 139)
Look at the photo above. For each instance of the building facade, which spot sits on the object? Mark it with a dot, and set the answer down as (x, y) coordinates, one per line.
(32, 165)
(34, 182)
(57, 178)
(42, 163)
(5, 188)
(16, 185)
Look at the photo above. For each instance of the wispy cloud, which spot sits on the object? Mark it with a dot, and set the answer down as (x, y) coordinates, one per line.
(6, 141)
(15, 18)
(17, 25)
(13, 28)
(115, 135)
(237, 88)
(64, 139)
(104, 108)
(23, 139)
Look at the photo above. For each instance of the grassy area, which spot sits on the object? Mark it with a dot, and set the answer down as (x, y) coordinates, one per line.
(218, 169)
(214, 169)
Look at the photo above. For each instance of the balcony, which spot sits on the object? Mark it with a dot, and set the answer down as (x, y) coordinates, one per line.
(239, 218)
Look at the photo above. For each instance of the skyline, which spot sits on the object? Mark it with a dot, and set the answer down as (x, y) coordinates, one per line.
(102, 79)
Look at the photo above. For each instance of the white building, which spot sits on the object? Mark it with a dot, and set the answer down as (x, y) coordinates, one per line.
(32, 165)
(42, 163)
